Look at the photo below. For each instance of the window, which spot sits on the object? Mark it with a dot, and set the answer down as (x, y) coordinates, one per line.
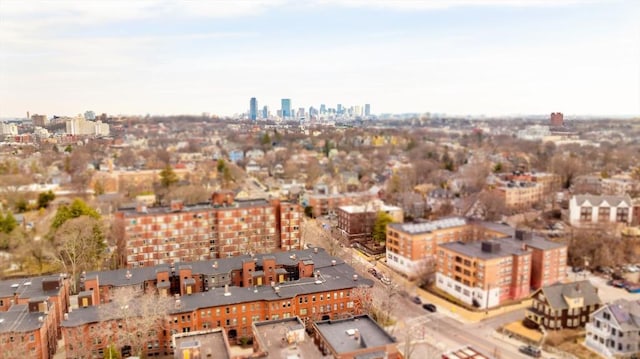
(585, 214)
(622, 214)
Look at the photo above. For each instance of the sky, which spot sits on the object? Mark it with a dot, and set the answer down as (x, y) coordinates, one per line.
(462, 57)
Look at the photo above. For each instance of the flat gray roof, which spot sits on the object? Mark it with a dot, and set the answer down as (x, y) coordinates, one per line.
(210, 343)
(272, 337)
(352, 334)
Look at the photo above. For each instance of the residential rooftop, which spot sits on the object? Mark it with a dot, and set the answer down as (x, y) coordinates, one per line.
(497, 248)
(19, 319)
(30, 287)
(557, 293)
(200, 207)
(428, 227)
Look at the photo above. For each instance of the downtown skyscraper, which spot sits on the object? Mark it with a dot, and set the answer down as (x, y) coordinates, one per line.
(286, 107)
(253, 109)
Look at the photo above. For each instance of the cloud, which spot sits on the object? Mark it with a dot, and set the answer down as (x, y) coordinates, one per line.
(443, 4)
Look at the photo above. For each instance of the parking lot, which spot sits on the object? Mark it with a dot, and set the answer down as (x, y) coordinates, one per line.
(607, 292)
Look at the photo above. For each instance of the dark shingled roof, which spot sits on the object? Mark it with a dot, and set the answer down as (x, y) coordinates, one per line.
(28, 287)
(19, 319)
(556, 293)
(332, 277)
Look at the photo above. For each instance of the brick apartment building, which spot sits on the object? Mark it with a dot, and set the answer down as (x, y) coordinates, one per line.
(520, 195)
(31, 310)
(550, 181)
(411, 244)
(220, 229)
(323, 204)
(229, 293)
(490, 272)
(355, 223)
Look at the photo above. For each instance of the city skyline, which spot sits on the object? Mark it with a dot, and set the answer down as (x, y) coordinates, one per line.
(485, 57)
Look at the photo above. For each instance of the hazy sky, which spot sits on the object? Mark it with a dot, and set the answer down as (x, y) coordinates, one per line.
(445, 56)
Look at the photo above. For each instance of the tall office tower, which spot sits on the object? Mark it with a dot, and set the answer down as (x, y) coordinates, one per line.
(286, 107)
(265, 112)
(323, 109)
(301, 113)
(253, 109)
(89, 115)
(367, 109)
(339, 109)
(39, 120)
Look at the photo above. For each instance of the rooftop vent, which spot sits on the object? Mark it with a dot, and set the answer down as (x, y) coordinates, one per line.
(26, 283)
(333, 262)
(315, 250)
(66, 316)
(128, 275)
(215, 264)
(355, 277)
(15, 285)
(226, 290)
(41, 319)
(490, 247)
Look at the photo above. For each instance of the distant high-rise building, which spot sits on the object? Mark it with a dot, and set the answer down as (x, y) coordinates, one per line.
(286, 107)
(367, 109)
(557, 119)
(301, 112)
(89, 115)
(339, 109)
(323, 109)
(265, 112)
(39, 120)
(253, 109)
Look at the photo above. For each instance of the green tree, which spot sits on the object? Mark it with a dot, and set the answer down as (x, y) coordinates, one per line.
(221, 165)
(266, 139)
(44, 198)
(497, 168)
(111, 352)
(380, 226)
(308, 211)
(168, 177)
(77, 208)
(7, 223)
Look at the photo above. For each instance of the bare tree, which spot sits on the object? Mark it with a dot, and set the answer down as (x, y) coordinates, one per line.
(140, 317)
(79, 246)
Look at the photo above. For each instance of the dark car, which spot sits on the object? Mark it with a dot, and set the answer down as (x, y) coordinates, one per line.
(416, 300)
(430, 307)
(530, 351)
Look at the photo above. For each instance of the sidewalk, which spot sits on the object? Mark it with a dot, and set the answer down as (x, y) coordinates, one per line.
(456, 311)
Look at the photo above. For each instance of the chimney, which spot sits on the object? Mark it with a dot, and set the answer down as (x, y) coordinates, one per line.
(226, 290)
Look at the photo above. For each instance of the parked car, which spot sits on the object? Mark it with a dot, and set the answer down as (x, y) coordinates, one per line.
(416, 300)
(530, 351)
(429, 307)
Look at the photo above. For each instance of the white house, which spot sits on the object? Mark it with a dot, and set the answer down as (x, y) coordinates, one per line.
(613, 331)
(589, 209)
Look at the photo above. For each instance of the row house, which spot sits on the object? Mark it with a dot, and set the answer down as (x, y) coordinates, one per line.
(29, 330)
(185, 278)
(564, 305)
(491, 272)
(355, 223)
(593, 209)
(410, 245)
(328, 289)
(220, 229)
(21, 291)
(613, 331)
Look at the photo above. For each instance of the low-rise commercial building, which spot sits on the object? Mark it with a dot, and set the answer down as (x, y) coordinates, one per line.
(355, 337)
